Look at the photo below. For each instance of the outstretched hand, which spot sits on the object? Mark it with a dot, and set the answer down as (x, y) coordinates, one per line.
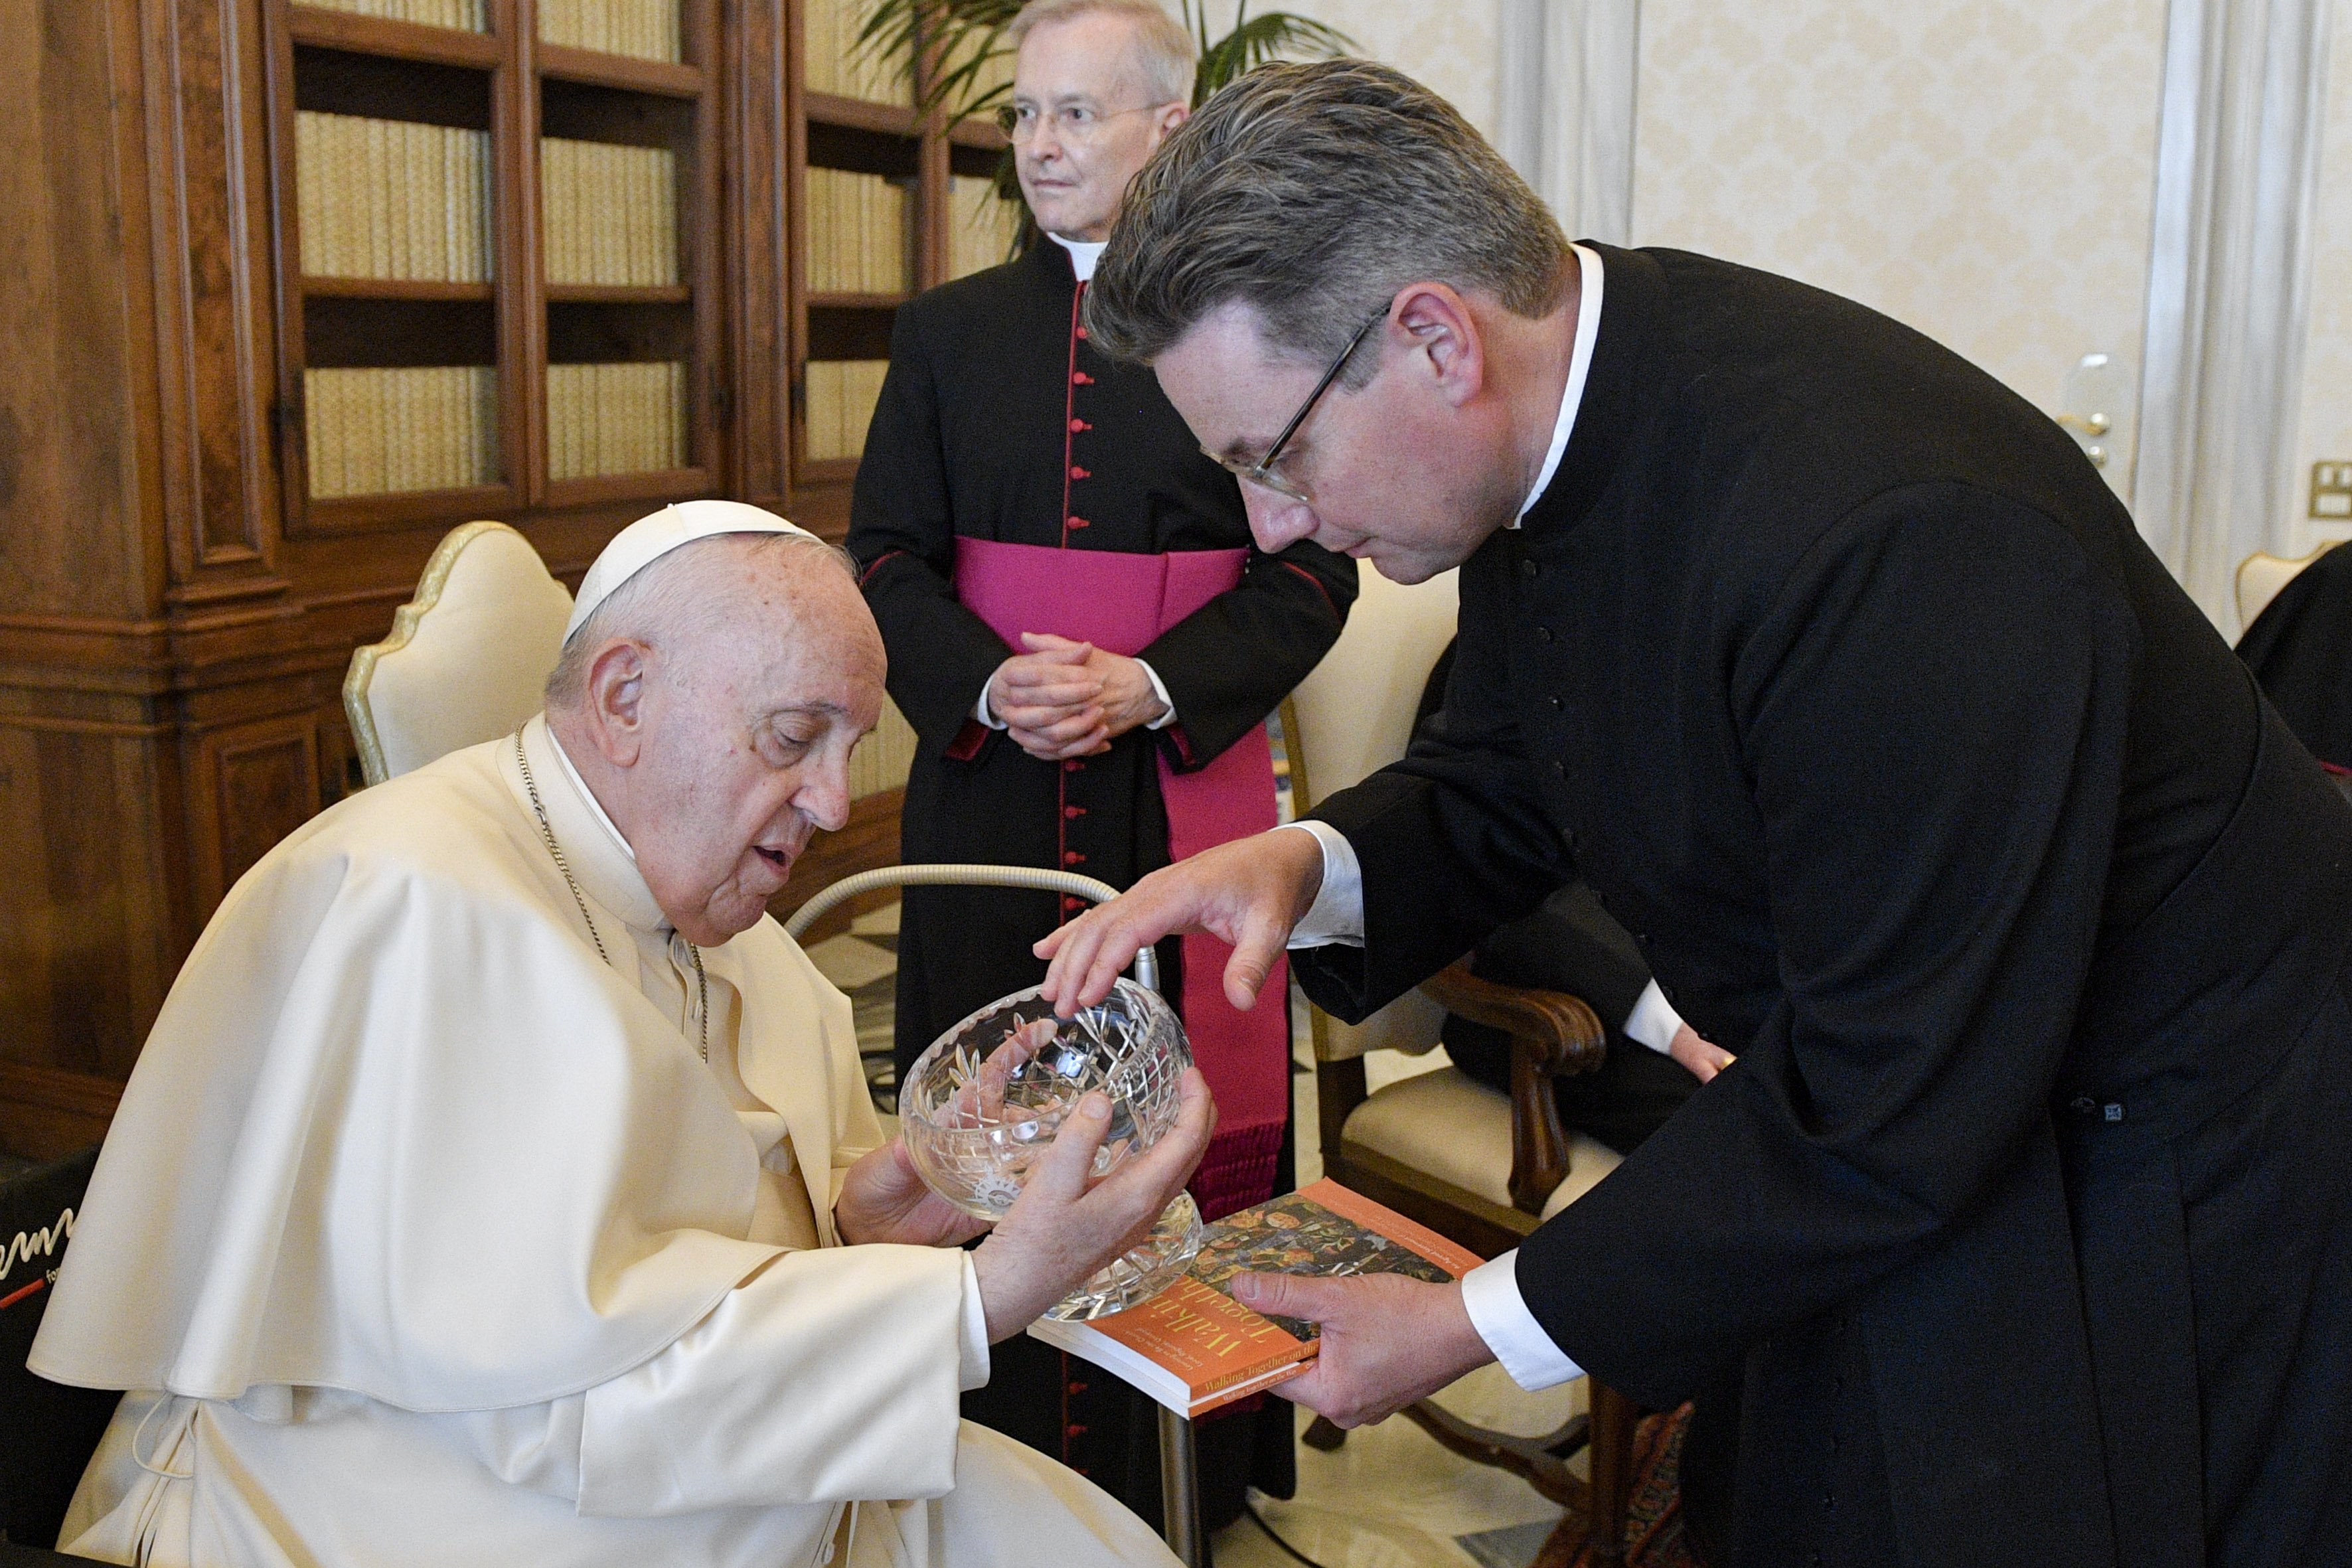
(1249, 892)
(1387, 1340)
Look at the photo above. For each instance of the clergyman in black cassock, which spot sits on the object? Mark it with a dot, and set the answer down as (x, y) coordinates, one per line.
(2021, 1230)
(998, 421)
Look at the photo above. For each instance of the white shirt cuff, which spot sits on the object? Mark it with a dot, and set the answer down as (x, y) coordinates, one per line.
(972, 1363)
(1490, 1293)
(981, 711)
(1338, 915)
(1159, 689)
(1653, 1021)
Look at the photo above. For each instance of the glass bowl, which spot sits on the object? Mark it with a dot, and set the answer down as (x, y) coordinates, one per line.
(981, 1106)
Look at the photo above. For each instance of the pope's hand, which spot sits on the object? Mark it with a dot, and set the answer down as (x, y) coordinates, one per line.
(1387, 1340)
(1249, 892)
(1065, 1226)
(884, 1199)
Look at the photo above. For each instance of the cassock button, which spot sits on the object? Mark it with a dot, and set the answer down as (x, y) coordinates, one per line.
(1528, 569)
(1079, 473)
(1560, 769)
(1079, 425)
(1072, 858)
(1076, 522)
(1073, 811)
(1082, 334)
(1543, 634)
(1080, 378)
(1073, 765)
(1556, 704)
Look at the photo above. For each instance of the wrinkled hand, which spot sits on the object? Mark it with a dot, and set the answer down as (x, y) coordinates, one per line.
(1065, 1226)
(1387, 1340)
(1701, 1058)
(1048, 699)
(1127, 699)
(884, 1199)
(1249, 893)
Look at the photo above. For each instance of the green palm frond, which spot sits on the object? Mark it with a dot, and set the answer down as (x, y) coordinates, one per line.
(1272, 35)
(969, 36)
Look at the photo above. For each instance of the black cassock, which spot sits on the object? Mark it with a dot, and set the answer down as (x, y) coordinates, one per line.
(998, 421)
(2021, 1230)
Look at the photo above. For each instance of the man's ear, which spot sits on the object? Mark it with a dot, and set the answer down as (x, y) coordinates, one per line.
(614, 708)
(1164, 124)
(1437, 325)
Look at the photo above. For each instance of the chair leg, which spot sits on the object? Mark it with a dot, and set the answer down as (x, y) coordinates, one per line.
(1614, 1417)
(1323, 1437)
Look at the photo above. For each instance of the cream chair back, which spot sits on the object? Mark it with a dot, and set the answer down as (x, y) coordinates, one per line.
(1353, 716)
(468, 657)
(2260, 576)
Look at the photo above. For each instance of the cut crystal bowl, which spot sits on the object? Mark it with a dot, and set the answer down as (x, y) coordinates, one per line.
(981, 1108)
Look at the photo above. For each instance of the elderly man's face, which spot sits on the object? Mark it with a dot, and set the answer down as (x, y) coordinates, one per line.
(1087, 122)
(748, 722)
(1400, 476)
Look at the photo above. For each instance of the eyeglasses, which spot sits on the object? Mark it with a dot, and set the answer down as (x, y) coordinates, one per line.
(1072, 122)
(1261, 473)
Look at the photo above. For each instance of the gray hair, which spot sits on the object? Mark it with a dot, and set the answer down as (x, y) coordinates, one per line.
(1163, 52)
(661, 600)
(1312, 193)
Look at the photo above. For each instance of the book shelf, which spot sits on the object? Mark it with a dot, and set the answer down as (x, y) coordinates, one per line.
(887, 204)
(503, 259)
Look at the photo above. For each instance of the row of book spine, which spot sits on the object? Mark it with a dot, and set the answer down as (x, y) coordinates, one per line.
(882, 760)
(471, 15)
(837, 65)
(392, 198)
(646, 30)
(374, 432)
(858, 233)
(611, 213)
(981, 225)
(625, 418)
(841, 398)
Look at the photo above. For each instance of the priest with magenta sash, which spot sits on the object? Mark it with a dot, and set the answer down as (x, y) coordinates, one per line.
(1087, 646)
(499, 1185)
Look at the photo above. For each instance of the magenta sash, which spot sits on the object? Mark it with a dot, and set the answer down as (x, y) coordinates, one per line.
(1121, 603)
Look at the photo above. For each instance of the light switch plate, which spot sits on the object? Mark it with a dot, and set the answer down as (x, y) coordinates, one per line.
(2331, 491)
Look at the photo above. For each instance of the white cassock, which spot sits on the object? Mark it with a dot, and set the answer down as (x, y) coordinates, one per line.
(423, 1235)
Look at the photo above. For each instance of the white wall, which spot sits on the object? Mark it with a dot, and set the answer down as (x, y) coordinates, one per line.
(2325, 433)
(1449, 47)
(1983, 170)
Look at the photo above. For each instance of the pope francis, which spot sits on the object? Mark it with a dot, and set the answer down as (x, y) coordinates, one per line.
(499, 1184)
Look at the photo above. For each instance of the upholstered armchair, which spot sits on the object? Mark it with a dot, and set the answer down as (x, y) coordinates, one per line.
(468, 658)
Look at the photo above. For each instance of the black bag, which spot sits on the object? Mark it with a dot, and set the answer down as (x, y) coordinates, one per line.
(47, 1431)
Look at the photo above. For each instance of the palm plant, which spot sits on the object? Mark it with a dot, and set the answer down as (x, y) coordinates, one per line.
(970, 60)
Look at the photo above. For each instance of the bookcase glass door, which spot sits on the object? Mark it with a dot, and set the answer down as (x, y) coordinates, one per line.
(448, 358)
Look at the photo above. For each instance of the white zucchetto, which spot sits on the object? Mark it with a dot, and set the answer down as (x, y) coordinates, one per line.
(649, 539)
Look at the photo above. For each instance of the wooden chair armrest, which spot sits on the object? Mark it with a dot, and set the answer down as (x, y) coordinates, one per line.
(1559, 1030)
(1552, 1034)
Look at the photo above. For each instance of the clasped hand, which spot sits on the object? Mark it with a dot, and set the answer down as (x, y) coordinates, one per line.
(1064, 699)
(1065, 1226)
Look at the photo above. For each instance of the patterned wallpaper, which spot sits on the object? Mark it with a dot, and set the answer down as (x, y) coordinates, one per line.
(2325, 431)
(1980, 169)
(1450, 48)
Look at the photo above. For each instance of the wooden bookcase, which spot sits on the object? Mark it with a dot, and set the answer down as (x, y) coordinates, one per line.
(866, 135)
(184, 594)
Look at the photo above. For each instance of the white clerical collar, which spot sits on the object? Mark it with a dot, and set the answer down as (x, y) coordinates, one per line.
(1084, 254)
(1580, 365)
(593, 845)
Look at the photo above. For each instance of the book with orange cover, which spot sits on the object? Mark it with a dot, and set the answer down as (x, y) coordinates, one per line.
(1193, 1348)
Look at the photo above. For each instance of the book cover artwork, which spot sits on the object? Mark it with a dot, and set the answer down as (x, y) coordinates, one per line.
(1295, 1235)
